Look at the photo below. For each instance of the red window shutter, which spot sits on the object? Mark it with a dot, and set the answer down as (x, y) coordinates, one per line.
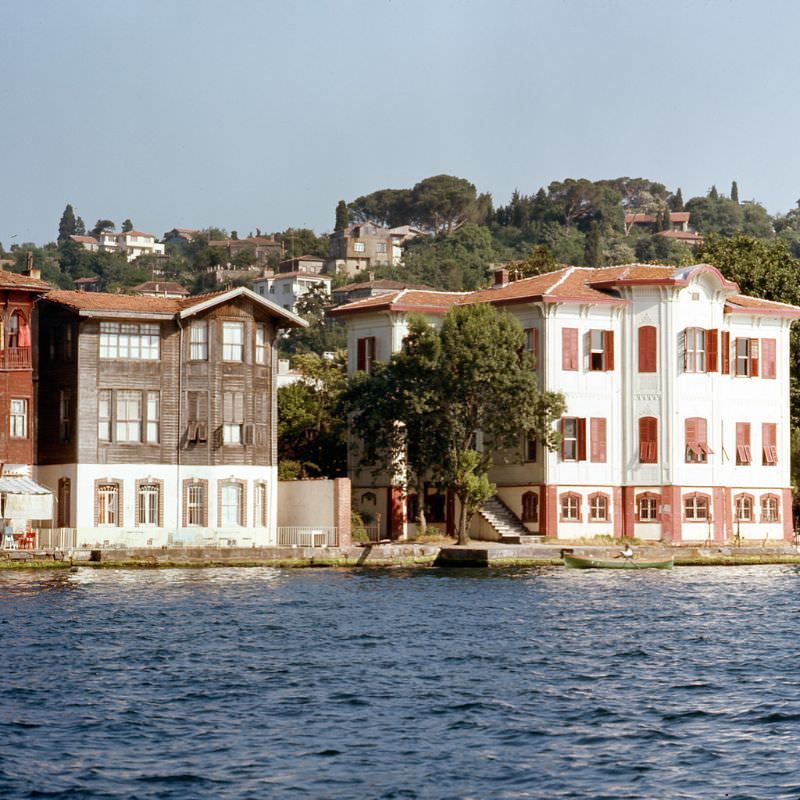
(691, 431)
(371, 351)
(768, 358)
(598, 439)
(769, 443)
(702, 435)
(726, 353)
(647, 348)
(582, 439)
(711, 350)
(754, 358)
(648, 440)
(743, 442)
(569, 348)
(361, 357)
(608, 347)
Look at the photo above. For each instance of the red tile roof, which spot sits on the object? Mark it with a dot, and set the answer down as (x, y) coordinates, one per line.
(18, 280)
(687, 236)
(742, 304)
(104, 301)
(76, 237)
(300, 274)
(162, 287)
(135, 233)
(383, 283)
(636, 216)
(402, 300)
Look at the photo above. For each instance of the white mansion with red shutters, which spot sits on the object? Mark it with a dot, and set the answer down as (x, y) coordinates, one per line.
(677, 392)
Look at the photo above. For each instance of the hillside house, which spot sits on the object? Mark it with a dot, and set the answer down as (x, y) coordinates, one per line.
(286, 288)
(677, 390)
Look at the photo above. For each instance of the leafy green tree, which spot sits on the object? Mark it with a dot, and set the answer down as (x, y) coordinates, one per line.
(301, 242)
(734, 192)
(443, 203)
(592, 250)
(127, 225)
(67, 225)
(312, 423)
(102, 225)
(323, 334)
(80, 227)
(676, 201)
(713, 193)
(342, 216)
(540, 261)
(386, 207)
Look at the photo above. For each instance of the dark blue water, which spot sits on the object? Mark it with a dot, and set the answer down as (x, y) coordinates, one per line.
(259, 683)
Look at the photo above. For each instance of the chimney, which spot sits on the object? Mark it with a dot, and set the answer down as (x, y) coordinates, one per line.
(500, 278)
(30, 270)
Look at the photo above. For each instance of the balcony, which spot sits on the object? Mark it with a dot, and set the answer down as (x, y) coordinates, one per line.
(15, 358)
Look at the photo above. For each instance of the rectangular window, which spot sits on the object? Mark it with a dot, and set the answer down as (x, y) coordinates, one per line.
(104, 415)
(598, 508)
(648, 440)
(358, 247)
(108, 504)
(573, 439)
(129, 341)
(261, 518)
(570, 508)
(65, 415)
(697, 449)
(195, 504)
(129, 416)
(769, 444)
(769, 508)
(261, 344)
(747, 357)
(365, 353)
(742, 443)
(569, 349)
(198, 340)
(233, 341)
(768, 368)
(694, 350)
(530, 447)
(148, 504)
(153, 416)
(231, 505)
(531, 345)
(601, 350)
(597, 431)
(744, 508)
(18, 418)
(380, 247)
(233, 417)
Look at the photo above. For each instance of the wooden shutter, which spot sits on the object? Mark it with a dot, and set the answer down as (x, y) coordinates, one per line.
(563, 432)
(361, 357)
(371, 352)
(743, 442)
(711, 350)
(702, 435)
(238, 407)
(647, 348)
(582, 439)
(769, 443)
(726, 353)
(768, 369)
(754, 358)
(569, 348)
(608, 350)
(597, 430)
(685, 349)
(227, 406)
(648, 440)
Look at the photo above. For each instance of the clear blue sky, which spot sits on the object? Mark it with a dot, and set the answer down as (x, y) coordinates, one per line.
(255, 113)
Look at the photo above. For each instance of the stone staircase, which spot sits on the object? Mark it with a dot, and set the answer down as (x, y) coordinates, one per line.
(506, 523)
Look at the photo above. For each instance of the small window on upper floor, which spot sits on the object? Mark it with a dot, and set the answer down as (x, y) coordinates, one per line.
(695, 350)
(358, 247)
(261, 343)
(198, 340)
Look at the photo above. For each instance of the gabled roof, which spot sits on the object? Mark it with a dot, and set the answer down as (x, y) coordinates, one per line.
(80, 239)
(642, 274)
(383, 283)
(19, 280)
(161, 287)
(98, 304)
(637, 216)
(742, 304)
(297, 274)
(403, 300)
(134, 233)
(686, 236)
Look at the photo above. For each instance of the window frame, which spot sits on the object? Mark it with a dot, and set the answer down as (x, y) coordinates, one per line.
(653, 502)
(127, 429)
(770, 499)
(129, 341)
(599, 503)
(18, 420)
(699, 503)
(568, 503)
(233, 351)
(530, 507)
(198, 340)
(108, 504)
(261, 343)
(225, 506)
(743, 508)
(148, 502)
(695, 352)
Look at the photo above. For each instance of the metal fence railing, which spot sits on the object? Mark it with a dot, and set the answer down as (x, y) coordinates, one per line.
(308, 537)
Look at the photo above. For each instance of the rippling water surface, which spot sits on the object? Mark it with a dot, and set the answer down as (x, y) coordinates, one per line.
(400, 684)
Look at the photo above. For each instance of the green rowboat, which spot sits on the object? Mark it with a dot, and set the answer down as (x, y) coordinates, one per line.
(587, 562)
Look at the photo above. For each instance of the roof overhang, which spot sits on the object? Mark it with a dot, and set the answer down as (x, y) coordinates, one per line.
(286, 319)
(100, 313)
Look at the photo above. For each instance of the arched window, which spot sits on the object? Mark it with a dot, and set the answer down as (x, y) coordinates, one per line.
(770, 508)
(695, 507)
(743, 505)
(530, 507)
(598, 507)
(647, 507)
(570, 507)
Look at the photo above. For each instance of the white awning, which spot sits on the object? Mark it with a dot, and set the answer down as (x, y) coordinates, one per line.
(23, 498)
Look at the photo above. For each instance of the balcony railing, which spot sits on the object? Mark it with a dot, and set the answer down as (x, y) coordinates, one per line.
(15, 358)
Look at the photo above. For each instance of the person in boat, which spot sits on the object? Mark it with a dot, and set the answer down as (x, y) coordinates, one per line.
(627, 553)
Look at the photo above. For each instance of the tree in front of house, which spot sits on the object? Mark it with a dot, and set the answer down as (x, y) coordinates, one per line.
(323, 334)
(312, 424)
(67, 225)
(127, 226)
(476, 393)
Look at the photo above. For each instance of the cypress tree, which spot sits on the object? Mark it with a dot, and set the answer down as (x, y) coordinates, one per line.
(676, 201)
(591, 250)
(80, 226)
(713, 193)
(127, 226)
(66, 227)
(666, 220)
(342, 216)
(734, 192)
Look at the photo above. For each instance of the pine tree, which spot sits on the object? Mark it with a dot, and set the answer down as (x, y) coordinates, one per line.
(127, 225)
(591, 250)
(342, 216)
(80, 227)
(676, 201)
(713, 193)
(66, 227)
(666, 220)
(734, 192)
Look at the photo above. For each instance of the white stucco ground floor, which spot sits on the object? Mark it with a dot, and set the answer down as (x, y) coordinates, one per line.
(139, 505)
(673, 514)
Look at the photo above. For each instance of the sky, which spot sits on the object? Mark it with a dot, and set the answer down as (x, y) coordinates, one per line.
(261, 114)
